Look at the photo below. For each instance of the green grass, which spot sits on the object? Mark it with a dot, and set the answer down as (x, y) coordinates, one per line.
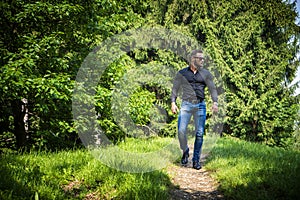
(140, 155)
(76, 175)
(245, 171)
(253, 171)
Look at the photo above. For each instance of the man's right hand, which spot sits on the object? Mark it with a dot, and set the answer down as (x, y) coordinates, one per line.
(174, 108)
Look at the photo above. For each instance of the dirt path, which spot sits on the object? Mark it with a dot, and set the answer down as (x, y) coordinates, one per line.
(192, 184)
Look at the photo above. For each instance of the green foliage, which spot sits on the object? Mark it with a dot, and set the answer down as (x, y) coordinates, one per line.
(42, 46)
(253, 45)
(141, 103)
(133, 98)
(250, 45)
(296, 137)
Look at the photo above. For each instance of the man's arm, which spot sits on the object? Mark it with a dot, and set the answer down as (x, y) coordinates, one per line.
(175, 88)
(213, 91)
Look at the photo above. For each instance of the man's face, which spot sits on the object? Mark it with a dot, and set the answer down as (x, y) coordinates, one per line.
(198, 60)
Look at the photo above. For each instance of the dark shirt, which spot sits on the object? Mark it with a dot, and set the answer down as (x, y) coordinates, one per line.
(193, 85)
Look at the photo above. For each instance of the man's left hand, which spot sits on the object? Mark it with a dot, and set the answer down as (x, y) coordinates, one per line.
(215, 108)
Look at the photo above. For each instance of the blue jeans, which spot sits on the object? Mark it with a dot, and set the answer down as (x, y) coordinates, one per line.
(199, 114)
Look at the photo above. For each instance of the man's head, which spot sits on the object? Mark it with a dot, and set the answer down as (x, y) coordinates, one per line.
(197, 58)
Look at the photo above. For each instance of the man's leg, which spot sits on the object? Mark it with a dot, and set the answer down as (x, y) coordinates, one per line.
(199, 118)
(183, 121)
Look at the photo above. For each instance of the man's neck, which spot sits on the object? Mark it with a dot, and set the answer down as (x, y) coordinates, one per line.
(193, 68)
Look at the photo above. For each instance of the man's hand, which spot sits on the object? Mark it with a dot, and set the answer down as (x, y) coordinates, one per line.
(174, 108)
(215, 108)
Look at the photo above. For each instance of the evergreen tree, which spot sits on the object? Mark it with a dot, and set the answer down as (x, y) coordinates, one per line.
(43, 43)
(254, 45)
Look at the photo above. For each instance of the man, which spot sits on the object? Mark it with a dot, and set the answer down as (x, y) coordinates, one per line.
(193, 80)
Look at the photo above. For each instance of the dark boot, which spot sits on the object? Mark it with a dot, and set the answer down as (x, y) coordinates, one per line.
(185, 156)
(196, 165)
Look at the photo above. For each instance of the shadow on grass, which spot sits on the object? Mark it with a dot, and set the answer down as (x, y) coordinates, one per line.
(15, 176)
(34, 176)
(85, 178)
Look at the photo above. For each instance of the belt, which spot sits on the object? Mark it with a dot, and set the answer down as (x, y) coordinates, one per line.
(194, 101)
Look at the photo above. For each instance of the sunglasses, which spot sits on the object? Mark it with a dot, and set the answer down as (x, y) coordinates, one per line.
(199, 58)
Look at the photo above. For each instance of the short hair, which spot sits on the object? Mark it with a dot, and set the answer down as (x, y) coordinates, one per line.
(193, 53)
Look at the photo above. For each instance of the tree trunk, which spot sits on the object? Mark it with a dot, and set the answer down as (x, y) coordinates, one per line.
(19, 112)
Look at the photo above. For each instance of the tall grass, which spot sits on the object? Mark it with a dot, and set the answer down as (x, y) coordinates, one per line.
(76, 175)
(140, 155)
(253, 171)
(245, 171)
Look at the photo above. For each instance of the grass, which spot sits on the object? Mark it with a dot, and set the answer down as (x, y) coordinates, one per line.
(245, 171)
(140, 155)
(76, 175)
(254, 171)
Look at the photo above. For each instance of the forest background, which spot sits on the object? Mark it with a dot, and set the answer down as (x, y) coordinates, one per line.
(253, 45)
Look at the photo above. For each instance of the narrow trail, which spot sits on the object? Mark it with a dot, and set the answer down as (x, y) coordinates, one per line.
(192, 184)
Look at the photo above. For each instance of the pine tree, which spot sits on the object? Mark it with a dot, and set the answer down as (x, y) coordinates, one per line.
(254, 46)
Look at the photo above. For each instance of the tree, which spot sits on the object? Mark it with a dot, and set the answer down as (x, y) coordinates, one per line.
(254, 47)
(42, 46)
(250, 43)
